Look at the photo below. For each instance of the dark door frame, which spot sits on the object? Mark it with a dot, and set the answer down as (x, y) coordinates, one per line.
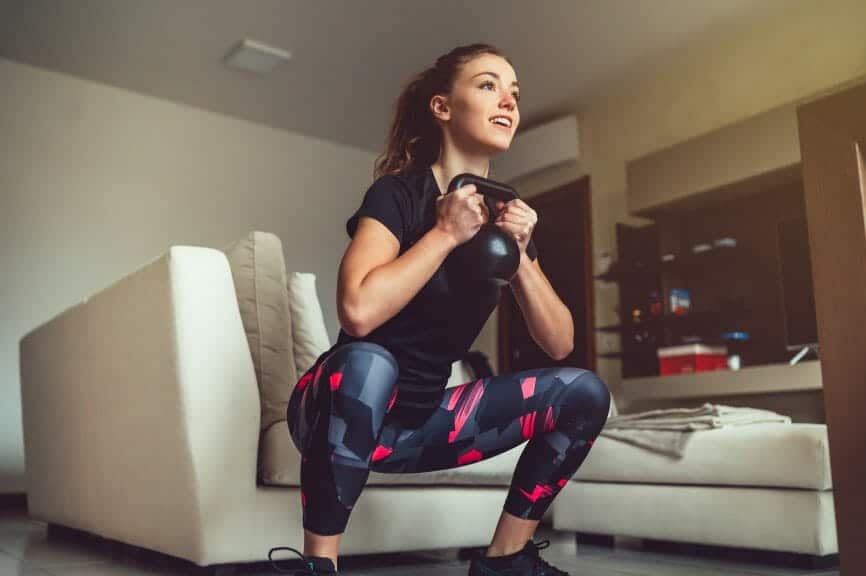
(585, 216)
(832, 143)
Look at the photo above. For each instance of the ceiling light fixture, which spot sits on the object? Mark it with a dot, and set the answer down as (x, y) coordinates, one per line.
(255, 56)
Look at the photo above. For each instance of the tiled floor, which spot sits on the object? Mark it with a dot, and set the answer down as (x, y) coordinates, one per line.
(25, 551)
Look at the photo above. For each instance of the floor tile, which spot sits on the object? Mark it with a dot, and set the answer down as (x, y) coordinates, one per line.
(11, 566)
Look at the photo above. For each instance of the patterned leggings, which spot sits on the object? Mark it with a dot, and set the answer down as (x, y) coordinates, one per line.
(337, 420)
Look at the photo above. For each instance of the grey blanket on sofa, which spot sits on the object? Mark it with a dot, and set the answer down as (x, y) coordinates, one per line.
(667, 431)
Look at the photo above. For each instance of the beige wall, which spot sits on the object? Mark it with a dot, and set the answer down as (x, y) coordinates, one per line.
(96, 181)
(787, 51)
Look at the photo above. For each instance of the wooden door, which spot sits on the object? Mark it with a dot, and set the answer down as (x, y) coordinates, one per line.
(563, 238)
(833, 146)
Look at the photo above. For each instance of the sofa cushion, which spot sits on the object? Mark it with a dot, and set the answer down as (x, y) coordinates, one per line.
(770, 455)
(259, 274)
(799, 521)
(461, 373)
(309, 334)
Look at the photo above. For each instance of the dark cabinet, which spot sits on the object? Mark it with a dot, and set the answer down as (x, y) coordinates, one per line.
(742, 261)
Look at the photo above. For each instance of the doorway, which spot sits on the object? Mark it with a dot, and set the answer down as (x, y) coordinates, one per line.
(563, 238)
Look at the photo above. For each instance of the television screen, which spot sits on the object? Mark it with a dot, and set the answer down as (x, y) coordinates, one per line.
(801, 327)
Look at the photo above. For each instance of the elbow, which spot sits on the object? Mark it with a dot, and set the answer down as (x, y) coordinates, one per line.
(562, 353)
(562, 347)
(351, 321)
(354, 330)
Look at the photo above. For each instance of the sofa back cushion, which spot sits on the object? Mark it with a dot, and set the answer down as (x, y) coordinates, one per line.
(259, 273)
(309, 334)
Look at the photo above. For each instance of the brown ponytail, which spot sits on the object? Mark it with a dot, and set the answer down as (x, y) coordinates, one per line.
(415, 139)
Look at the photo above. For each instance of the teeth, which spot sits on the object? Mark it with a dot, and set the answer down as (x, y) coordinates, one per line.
(502, 121)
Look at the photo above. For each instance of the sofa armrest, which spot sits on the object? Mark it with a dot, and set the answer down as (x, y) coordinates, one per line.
(140, 407)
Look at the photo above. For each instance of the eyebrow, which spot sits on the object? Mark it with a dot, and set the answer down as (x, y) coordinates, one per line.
(495, 75)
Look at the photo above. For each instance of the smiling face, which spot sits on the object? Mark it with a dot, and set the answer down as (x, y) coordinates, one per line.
(481, 112)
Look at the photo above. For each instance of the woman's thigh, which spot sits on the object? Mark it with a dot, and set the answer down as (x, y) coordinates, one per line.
(481, 419)
(348, 391)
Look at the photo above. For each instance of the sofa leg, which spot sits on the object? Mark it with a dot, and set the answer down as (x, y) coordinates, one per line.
(470, 553)
(58, 533)
(821, 562)
(751, 555)
(587, 539)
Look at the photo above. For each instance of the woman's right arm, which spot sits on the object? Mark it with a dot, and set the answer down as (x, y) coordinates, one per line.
(374, 284)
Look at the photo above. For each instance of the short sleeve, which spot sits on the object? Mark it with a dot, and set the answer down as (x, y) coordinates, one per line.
(386, 201)
(531, 251)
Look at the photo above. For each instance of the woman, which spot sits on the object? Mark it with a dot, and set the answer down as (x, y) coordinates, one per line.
(377, 399)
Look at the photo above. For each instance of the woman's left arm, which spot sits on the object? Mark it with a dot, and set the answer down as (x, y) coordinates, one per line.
(547, 317)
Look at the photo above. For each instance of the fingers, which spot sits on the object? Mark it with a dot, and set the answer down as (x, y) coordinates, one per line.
(515, 212)
(518, 217)
(520, 231)
(465, 191)
(515, 216)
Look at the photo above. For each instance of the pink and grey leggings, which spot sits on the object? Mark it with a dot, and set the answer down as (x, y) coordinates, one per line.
(337, 414)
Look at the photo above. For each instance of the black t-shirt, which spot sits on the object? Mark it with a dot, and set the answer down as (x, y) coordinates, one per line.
(438, 325)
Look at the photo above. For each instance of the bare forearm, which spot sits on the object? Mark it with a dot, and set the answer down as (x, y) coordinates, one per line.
(388, 288)
(547, 317)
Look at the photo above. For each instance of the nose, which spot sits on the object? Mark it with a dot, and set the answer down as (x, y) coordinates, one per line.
(508, 101)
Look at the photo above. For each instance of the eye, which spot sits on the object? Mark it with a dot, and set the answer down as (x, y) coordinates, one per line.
(491, 84)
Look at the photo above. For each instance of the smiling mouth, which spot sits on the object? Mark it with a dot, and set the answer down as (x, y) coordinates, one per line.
(501, 125)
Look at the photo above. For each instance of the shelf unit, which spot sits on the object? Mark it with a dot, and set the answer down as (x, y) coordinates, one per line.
(735, 290)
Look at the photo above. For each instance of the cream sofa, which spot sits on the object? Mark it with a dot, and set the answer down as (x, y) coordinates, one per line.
(763, 486)
(154, 415)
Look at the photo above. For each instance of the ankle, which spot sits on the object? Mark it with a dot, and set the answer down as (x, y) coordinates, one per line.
(502, 550)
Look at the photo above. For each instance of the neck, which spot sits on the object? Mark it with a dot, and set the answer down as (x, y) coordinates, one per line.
(450, 165)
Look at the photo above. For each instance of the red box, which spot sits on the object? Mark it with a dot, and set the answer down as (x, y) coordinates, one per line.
(692, 358)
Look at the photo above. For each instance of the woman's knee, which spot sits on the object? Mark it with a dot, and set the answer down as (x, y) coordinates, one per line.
(586, 392)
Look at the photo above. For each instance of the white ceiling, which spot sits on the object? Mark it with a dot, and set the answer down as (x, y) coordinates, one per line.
(350, 58)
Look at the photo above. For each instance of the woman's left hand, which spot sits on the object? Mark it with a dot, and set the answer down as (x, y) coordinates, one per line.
(518, 219)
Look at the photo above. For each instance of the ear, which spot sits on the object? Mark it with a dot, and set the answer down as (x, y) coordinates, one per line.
(440, 108)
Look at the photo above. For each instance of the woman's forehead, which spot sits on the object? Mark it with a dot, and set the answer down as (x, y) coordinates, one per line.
(489, 63)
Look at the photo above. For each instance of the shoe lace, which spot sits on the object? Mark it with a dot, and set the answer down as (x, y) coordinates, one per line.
(549, 570)
(307, 570)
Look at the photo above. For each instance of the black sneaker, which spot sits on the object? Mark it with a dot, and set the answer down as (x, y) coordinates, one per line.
(527, 562)
(312, 565)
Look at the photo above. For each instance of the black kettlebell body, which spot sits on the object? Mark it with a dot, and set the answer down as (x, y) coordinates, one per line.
(492, 254)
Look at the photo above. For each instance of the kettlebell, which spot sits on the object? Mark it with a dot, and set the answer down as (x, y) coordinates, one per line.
(492, 254)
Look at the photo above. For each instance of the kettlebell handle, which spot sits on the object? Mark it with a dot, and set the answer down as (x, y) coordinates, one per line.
(492, 255)
(489, 189)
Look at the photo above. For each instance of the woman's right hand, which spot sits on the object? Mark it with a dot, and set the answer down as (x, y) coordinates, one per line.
(461, 213)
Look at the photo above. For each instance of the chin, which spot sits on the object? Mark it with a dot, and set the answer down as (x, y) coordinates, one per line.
(490, 144)
(498, 145)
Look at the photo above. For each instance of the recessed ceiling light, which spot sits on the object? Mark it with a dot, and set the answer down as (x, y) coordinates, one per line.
(255, 56)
